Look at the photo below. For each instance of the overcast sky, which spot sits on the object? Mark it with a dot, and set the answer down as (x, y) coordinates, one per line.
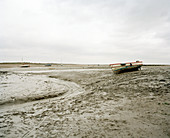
(85, 31)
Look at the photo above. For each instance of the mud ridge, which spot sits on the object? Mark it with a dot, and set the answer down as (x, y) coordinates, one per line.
(17, 100)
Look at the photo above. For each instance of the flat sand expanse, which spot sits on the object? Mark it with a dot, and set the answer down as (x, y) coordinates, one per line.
(77, 102)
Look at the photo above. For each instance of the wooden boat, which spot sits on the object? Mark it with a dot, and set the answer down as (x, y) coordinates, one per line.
(126, 67)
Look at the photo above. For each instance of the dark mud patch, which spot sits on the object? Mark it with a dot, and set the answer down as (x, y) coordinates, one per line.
(3, 72)
(17, 100)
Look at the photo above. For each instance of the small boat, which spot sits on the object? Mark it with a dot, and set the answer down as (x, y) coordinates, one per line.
(126, 67)
(47, 65)
(25, 66)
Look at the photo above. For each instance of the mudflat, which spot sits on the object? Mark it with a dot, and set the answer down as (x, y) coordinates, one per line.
(84, 102)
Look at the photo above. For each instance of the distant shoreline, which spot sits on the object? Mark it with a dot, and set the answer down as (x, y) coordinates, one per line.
(67, 64)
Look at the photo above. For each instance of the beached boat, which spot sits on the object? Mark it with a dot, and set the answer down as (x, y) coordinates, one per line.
(125, 67)
(25, 66)
(47, 65)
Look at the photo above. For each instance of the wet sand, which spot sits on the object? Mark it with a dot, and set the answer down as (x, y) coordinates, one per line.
(49, 102)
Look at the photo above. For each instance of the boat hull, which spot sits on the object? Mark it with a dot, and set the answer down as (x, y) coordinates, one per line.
(126, 67)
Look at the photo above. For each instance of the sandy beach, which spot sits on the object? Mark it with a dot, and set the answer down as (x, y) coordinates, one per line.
(84, 101)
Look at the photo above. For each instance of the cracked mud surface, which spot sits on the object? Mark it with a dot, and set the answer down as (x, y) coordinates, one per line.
(86, 103)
